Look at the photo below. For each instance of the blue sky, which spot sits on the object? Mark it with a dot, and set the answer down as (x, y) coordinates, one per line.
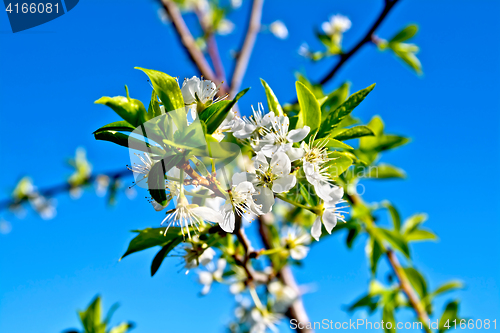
(50, 76)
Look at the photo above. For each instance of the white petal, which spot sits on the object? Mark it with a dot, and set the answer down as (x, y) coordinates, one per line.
(299, 252)
(157, 206)
(260, 161)
(239, 177)
(284, 184)
(269, 149)
(316, 228)
(297, 135)
(280, 164)
(329, 220)
(208, 214)
(228, 224)
(205, 278)
(264, 198)
(295, 153)
(245, 187)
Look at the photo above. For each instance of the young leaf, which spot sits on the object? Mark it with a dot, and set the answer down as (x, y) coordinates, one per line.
(396, 219)
(215, 114)
(406, 33)
(420, 235)
(335, 117)
(131, 110)
(336, 98)
(333, 143)
(162, 254)
(449, 315)
(385, 171)
(310, 111)
(338, 164)
(396, 240)
(151, 237)
(167, 88)
(417, 281)
(353, 133)
(272, 100)
(448, 287)
(119, 126)
(413, 222)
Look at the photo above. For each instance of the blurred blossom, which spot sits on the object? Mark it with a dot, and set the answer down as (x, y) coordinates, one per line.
(304, 50)
(284, 295)
(278, 29)
(337, 24)
(44, 207)
(101, 185)
(5, 227)
(295, 240)
(225, 27)
(75, 193)
(83, 168)
(206, 278)
(236, 3)
(261, 320)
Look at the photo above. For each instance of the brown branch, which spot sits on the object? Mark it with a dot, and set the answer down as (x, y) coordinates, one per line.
(247, 47)
(212, 48)
(296, 309)
(344, 57)
(404, 282)
(187, 40)
(407, 288)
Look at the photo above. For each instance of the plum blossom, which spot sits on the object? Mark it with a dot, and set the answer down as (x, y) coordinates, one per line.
(196, 91)
(331, 213)
(240, 200)
(206, 278)
(255, 125)
(271, 177)
(338, 24)
(141, 169)
(186, 214)
(231, 123)
(278, 29)
(296, 240)
(280, 139)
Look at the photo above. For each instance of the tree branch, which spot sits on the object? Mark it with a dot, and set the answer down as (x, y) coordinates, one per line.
(296, 310)
(187, 40)
(388, 5)
(247, 46)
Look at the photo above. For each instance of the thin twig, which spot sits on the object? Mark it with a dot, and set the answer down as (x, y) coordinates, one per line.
(247, 47)
(296, 310)
(187, 40)
(388, 5)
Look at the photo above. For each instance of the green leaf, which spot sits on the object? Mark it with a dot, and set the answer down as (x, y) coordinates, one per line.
(162, 254)
(376, 125)
(396, 241)
(449, 286)
(388, 316)
(413, 222)
(272, 101)
(338, 165)
(374, 252)
(215, 114)
(411, 60)
(131, 110)
(310, 111)
(450, 313)
(384, 171)
(122, 328)
(365, 301)
(417, 281)
(151, 237)
(420, 235)
(406, 33)
(156, 178)
(119, 126)
(332, 143)
(335, 117)
(167, 88)
(91, 317)
(127, 141)
(395, 217)
(353, 133)
(336, 98)
(154, 109)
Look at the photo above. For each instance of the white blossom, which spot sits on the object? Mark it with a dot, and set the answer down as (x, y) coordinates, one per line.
(278, 29)
(206, 278)
(186, 214)
(261, 320)
(240, 200)
(296, 241)
(283, 294)
(195, 255)
(331, 213)
(338, 24)
(141, 170)
(196, 91)
(280, 139)
(255, 125)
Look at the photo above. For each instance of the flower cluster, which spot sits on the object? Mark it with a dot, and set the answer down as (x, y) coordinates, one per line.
(280, 156)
